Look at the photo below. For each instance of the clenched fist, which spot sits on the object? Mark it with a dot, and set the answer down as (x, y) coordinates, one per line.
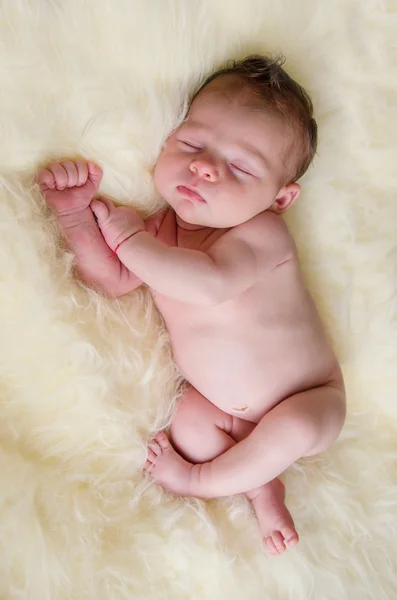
(69, 186)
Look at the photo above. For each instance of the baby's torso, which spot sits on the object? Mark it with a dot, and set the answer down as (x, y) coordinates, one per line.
(249, 353)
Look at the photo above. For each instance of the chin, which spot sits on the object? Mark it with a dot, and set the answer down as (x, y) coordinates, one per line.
(191, 220)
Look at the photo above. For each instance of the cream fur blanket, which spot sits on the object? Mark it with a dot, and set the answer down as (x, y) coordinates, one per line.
(84, 380)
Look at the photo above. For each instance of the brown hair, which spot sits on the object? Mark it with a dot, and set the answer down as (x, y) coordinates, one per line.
(283, 95)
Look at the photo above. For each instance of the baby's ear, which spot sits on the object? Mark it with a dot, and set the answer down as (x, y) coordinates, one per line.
(285, 198)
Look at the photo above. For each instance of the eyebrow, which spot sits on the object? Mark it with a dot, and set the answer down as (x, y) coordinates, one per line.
(247, 148)
(194, 124)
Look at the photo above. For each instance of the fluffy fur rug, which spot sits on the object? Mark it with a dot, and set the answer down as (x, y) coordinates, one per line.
(85, 380)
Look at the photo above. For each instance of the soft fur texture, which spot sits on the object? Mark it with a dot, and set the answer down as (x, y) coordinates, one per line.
(85, 380)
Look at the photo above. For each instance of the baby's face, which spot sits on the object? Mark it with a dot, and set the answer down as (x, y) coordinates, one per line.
(224, 164)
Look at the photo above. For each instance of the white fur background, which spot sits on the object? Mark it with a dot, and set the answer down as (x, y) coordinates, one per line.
(84, 380)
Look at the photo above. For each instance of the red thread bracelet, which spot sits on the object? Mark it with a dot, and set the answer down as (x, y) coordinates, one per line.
(127, 238)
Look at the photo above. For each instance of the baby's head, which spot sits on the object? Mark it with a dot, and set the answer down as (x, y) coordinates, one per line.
(248, 137)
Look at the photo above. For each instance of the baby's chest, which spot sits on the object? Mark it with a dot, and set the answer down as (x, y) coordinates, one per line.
(239, 316)
(171, 234)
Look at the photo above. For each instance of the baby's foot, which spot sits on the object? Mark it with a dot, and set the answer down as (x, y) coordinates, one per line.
(69, 186)
(167, 467)
(275, 522)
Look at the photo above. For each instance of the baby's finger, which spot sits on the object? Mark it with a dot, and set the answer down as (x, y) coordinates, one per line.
(71, 170)
(45, 179)
(100, 210)
(82, 172)
(60, 176)
(95, 173)
(107, 202)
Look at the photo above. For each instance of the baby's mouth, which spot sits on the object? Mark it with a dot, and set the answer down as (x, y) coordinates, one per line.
(190, 194)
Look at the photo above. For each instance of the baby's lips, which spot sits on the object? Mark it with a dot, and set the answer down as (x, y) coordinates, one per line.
(190, 193)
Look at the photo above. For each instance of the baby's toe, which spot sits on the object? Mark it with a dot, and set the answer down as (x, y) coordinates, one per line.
(162, 440)
(278, 540)
(155, 448)
(269, 545)
(151, 456)
(147, 465)
(290, 536)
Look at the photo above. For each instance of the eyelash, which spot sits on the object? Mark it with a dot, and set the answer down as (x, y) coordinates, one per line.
(192, 146)
(241, 170)
(197, 148)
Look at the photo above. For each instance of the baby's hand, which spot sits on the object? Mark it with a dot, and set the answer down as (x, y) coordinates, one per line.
(117, 223)
(69, 186)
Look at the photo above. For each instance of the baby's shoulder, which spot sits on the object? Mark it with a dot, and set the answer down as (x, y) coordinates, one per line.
(267, 232)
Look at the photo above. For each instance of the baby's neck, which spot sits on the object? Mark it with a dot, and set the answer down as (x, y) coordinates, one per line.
(188, 226)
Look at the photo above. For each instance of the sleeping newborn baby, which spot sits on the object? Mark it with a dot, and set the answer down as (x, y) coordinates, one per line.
(263, 387)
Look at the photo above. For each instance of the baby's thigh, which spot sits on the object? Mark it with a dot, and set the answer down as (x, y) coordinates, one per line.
(198, 420)
(195, 413)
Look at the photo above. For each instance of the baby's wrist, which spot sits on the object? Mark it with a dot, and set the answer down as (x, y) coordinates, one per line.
(82, 217)
(128, 238)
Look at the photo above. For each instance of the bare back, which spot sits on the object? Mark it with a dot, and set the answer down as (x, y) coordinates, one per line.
(247, 354)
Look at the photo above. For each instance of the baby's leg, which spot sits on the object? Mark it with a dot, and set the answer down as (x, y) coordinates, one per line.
(200, 432)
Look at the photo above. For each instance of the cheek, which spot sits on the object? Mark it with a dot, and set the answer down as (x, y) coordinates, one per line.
(240, 200)
(157, 171)
(168, 166)
(162, 171)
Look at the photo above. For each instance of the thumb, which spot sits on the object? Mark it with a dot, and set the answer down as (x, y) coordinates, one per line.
(101, 209)
(95, 173)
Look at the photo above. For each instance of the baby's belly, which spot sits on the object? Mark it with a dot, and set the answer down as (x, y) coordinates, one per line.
(228, 373)
(247, 375)
(248, 354)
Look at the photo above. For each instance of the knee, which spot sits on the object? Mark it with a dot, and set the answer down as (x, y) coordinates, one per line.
(186, 431)
(188, 420)
(195, 417)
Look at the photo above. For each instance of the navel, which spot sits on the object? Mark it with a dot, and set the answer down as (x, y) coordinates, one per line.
(243, 409)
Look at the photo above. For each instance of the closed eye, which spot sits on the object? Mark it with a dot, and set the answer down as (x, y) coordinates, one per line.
(189, 145)
(242, 169)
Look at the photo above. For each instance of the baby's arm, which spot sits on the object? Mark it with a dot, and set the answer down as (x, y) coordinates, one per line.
(68, 188)
(184, 274)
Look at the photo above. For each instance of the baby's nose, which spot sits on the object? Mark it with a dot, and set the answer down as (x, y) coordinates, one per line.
(204, 168)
